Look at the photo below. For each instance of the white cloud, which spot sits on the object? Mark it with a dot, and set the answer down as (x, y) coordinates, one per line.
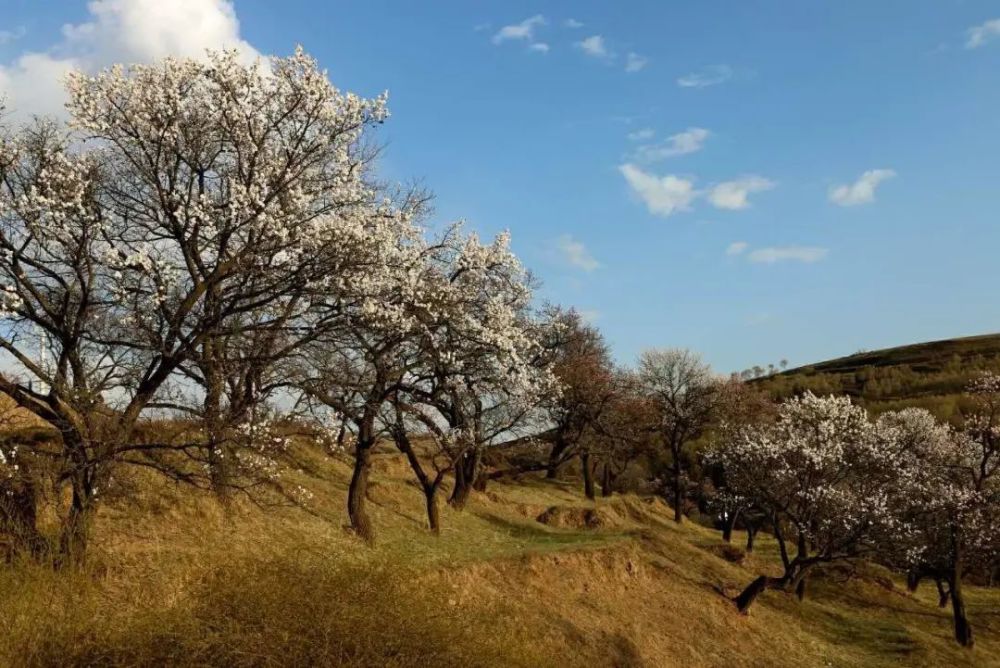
(573, 23)
(540, 47)
(736, 248)
(981, 34)
(707, 76)
(787, 253)
(576, 253)
(662, 195)
(861, 191)
(634, 62)
(594, 46)
(525, 30)
(734, 195)
(682, 143)
(119, 31)
(643, 134)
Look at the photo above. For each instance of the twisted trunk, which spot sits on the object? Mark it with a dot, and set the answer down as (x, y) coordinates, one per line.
(793, 578)
(943, 594)
(465, 479)
(555, 458)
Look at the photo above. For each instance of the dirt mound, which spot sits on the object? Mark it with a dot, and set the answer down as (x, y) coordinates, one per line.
(574, 518)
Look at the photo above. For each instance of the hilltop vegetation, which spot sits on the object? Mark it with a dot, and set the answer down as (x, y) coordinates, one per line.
(930, 375)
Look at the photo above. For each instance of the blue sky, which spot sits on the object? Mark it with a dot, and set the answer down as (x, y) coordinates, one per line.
(771, 179)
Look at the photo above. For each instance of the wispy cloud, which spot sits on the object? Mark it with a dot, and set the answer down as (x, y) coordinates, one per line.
(861, 191)
(707, 76)
(8, 36)
(771, 255)
(734, 195)
(540, 47)
(634, 62)
(682, 143)
(662, 195)
(737, 248)
(576, 253)
(573, 23)
(594, 46)
(525, 30)
(643, 134)
(979, 35)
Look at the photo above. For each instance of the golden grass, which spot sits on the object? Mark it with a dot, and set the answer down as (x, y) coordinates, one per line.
(176, 580)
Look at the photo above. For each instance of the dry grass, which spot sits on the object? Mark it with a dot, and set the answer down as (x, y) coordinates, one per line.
(175, 580)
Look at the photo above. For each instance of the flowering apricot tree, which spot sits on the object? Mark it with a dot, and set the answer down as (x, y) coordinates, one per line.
(820, 473)
(952, 499)
(206, 209)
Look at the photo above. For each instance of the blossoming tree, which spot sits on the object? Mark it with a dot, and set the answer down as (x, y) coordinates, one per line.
(821, 474)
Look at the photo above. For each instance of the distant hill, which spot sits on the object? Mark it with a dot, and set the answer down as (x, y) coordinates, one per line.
(930, 375)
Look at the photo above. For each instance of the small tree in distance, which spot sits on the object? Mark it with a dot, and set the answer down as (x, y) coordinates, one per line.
(685, 397)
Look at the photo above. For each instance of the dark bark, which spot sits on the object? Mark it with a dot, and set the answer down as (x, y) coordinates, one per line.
(433, 513)
(678, 492)
(357, 493)
(944, 595)
(751, 535)
(427, 484)
(555, 459)
(588, 476)
(465, 479)
(75, 531)
(755, 589)
(963, 630)
(728, 524)
(607, 481)
(793, 578)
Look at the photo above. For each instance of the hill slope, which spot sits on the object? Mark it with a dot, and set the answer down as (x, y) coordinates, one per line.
(177, 580)
(930, 375)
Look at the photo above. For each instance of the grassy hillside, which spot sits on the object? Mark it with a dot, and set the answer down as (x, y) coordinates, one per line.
(177, 580)
(930, 375)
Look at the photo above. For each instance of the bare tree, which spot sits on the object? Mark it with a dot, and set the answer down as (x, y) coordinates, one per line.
(686, 396)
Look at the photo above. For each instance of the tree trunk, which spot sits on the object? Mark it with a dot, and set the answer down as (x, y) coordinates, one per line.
(607, 481)
(357, 493)
(753, 590)
(913, 581)
(219, 466)
(555, 457)
(465, 479)
(728, 524)
(76, 526)
(963, 630)
(800, 589)
(751, 534)
(588, 476)
(943, 594)
(678, 492)
(433, 513)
